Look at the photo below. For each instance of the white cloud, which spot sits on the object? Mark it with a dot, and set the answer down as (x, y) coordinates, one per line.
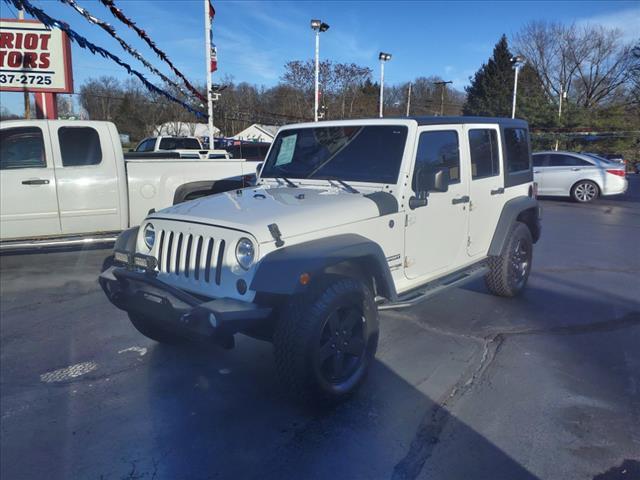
(627, 21)
(237, 48)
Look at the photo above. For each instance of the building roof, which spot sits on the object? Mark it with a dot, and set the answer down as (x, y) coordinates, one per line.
(268, 130)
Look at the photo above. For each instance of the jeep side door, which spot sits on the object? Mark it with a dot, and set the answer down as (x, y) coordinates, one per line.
(29, 206)
(486, 187)
(436, 233)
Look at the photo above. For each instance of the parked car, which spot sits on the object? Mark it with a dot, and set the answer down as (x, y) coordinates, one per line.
(579, 176)
(251, 151)
(61, 179)
(155, 144)
(349, 217)
(614, 157)
(188, 147)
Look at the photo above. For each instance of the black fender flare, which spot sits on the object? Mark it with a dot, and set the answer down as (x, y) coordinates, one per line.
(278, 273)
(126, 241)
(524, 209)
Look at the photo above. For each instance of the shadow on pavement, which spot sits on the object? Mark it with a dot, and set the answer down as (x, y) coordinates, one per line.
(210, 426)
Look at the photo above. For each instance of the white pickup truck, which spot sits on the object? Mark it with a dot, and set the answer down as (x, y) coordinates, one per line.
(69, 182)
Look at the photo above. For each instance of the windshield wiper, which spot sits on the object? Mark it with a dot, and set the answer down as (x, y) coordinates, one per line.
(349, 188)
(289, 182)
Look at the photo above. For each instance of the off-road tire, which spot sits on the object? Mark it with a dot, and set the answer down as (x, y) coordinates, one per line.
(503, 278)
(147, 328)
(298, 335)
(585, 191)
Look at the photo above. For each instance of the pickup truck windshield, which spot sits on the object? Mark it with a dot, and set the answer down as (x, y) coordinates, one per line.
(179, 144)
(357, 153)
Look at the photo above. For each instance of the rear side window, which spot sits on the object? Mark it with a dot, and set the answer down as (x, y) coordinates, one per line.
(179, 144)
(79, 146)
(21, 147)
(539, 160)
(147, 145)
(560, 160)
(485, 156)
(439, 149)
(517, 149)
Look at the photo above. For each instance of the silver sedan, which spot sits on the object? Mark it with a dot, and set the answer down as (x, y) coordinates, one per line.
(581, 177)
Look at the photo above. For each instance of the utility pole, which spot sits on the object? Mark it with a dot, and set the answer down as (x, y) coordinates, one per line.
(443, 85)
(207, 34)
(409, 100)
(27, 100)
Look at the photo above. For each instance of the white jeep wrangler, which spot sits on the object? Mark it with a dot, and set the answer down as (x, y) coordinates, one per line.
(347, 218)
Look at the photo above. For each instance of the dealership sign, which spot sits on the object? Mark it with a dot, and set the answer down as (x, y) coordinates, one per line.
(34, 58)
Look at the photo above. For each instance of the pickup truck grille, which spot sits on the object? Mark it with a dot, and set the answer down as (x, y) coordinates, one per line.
(190, 256)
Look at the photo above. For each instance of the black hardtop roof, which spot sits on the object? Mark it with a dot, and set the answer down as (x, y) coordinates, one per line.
(506, 122)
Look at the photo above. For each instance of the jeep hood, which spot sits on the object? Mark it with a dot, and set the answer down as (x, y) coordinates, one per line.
(294, 210)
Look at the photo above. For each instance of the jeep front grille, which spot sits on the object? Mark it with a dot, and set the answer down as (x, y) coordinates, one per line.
(190, 256)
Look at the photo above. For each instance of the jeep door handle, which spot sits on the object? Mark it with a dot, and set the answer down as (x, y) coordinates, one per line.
(536, 171)
(458, 200)
(36, 182)
(576, 169)
(497, 191)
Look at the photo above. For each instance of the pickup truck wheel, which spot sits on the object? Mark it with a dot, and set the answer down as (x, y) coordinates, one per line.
(510, 270)
(147, 328)
(324, 342)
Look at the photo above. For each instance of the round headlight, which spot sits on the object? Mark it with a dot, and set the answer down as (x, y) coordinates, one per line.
(149, 236)
(245, 253)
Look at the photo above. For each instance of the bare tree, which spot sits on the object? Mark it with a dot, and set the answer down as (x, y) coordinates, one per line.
(588, 64)
(603, 65)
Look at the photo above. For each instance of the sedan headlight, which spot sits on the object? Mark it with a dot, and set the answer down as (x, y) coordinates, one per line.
(149, 235)
(245, 253)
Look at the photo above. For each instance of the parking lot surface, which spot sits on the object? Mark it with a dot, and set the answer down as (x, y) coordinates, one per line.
(466, 385)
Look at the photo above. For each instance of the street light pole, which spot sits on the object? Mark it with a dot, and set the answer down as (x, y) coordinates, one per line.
(443, 85)
(518, 62)
(384, 57)
(563, 94)
(318, 26)
(317, 78)
(409, 100)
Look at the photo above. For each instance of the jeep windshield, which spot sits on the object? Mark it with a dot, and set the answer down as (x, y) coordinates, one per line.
(357, 153)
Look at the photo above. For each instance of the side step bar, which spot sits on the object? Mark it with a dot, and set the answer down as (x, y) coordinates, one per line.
(433, 288)
(51, 242)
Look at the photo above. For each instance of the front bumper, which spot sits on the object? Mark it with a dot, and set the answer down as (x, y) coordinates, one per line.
(177, 311)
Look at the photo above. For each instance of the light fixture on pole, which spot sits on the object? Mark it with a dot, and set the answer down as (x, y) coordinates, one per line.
(443, 85)
(518, 62)
(563, 95)
(384, 57)
(319, 26)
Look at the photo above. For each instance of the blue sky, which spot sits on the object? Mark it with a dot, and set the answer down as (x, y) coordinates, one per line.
(255, 39)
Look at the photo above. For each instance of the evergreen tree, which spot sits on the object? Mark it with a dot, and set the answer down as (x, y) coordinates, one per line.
(491, 90)
(492, 86)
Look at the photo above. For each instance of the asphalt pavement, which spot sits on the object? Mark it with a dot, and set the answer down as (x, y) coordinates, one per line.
(465, 386)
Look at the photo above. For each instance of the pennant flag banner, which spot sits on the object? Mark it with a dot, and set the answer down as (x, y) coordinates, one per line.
(84, 43)
(134, 53)
(213, 54)
(116, 12)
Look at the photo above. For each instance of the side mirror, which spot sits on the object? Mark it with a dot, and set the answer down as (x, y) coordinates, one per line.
(429, 180)
(259, 168)
(439, 180)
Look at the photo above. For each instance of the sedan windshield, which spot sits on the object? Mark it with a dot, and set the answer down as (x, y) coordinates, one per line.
(357, 153)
